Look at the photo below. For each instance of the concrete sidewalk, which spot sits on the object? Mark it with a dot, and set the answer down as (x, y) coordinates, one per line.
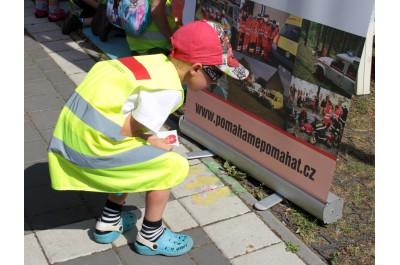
(209, 205)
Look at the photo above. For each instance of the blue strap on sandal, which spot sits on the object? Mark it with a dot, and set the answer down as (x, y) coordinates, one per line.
(169, 244)
(127, 222)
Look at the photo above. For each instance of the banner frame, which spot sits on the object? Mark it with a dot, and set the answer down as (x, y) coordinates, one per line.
(328, 212)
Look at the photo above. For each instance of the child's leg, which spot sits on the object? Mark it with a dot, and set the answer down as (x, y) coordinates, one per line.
(54, 6)
(87, 21)
(153, 238)
(113, 220)
(156, 200)
(41, 8)
(112, 210)
(55, 12)
(117, 198)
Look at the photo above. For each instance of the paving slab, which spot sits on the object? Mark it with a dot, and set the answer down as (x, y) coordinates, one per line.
(43, 37)
(215, 205)
(177, 218)
(207, 255)
(45, 199)
(38, 87)
(77, 78)
(69, 56)
(30, 132)
(47, 64)
(57, 218)
(241, 235)
(60, 45)
(129, 257)
(42, 27)
(33, 254)
(36, 175)
(78, 67)
(70, 241)
(34, 150)
(273, 255)
(65, 89)
(108, 257)
(44, 119)
(43, 102)
(38, 54)
(200, 238)
(57, 76)
(46, 134)
(32, 73)
(200, 179)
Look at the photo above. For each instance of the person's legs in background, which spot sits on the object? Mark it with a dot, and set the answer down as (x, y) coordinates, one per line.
(55, 12)
(86, 10)
(41, 8)
(50, 8)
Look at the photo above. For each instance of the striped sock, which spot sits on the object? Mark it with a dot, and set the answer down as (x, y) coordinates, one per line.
(111, 215)
(151, 230)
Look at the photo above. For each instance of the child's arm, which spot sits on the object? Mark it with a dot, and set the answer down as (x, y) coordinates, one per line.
(133, 128)
(159, 142)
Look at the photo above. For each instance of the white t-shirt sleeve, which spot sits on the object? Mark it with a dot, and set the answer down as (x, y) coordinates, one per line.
(153, 108)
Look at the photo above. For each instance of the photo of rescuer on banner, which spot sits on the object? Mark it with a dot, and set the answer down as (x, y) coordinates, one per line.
(289, 115)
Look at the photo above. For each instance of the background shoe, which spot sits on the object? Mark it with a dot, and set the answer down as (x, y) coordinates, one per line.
(41, 13)
(57, 16)
(71, 24)
(98, 16)
(169, 244)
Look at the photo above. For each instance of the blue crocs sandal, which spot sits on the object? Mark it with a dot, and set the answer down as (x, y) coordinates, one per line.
(127, 222)
(169, 244)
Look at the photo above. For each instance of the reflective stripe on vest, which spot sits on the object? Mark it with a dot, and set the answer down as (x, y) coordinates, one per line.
(89, 115)
(133, 156)
(92, 118)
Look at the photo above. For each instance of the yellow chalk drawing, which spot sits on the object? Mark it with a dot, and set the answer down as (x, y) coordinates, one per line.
(210, 197)
(200, 182)
(193, 170)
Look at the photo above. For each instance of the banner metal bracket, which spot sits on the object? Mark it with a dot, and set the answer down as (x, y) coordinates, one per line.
(268, 202)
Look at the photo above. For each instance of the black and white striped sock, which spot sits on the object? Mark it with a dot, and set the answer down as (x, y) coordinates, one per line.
(151, 230)
(111, 214)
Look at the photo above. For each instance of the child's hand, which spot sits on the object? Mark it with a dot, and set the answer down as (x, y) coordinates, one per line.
(159, 142)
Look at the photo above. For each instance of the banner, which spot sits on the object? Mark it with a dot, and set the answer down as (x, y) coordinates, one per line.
(303, 57)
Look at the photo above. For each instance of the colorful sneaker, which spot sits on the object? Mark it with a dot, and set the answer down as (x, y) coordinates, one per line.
(53, 17)
(71, 24)
(169, 244)
(41, 13)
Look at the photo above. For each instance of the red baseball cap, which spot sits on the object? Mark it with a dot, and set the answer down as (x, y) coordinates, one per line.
(205, 42)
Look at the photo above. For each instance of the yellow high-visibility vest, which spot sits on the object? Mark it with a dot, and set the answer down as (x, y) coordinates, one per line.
(151, 37)
(87, 151)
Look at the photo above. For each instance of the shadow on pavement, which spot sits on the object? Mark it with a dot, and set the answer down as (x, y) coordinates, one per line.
(46, 208)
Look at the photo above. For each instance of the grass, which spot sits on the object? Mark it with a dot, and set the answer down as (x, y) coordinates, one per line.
(292, 247)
